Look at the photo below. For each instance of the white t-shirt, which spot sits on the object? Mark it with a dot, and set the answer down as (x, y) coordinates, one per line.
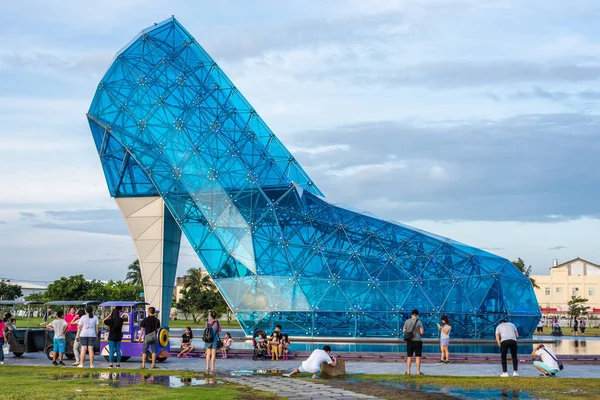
(506, 331)
(313, 363)
(58, 325)
(445, 335)
(547, 358)
(88, 326)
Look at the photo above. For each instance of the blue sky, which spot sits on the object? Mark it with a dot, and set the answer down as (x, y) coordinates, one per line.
(472, 119)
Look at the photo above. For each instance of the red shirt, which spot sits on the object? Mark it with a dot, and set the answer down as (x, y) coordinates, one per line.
(68, 319)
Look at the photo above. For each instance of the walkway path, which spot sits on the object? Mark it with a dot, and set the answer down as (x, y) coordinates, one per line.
(296, 389)
(240, 367)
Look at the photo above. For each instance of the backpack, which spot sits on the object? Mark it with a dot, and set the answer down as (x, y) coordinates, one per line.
(408, 336)
(208, 335)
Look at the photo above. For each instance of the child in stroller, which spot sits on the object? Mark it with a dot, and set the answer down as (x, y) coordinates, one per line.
(259, 342)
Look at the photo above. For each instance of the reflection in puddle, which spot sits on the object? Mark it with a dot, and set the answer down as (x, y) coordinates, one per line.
(121, 379)
(475, 394)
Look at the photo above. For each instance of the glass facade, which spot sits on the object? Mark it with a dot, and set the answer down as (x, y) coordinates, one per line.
(167, 121)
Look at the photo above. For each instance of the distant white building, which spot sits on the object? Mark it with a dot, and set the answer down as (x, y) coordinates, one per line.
(29, 288)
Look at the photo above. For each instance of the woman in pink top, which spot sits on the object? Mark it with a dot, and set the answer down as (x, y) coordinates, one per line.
(71, 319)
(2, 326)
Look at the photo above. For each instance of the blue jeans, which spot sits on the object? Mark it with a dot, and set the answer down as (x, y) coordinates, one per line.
(112, 346)
(1, 349)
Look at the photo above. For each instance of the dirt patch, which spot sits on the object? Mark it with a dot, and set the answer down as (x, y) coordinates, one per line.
(386, 391)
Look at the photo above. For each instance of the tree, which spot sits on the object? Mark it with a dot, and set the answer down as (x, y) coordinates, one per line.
(9, 291)
(34, 297)
(123, 291)
(577, 306)
(75, 287)
(134, 273)
(200, 295)
(520, 264)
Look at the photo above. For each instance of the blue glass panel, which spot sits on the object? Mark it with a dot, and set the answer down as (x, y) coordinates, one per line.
(167, 121)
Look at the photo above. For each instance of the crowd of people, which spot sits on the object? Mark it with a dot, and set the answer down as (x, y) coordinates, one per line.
(83, 326)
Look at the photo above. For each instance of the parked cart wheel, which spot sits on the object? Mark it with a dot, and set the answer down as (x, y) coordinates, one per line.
(49, 352)
(163, 337)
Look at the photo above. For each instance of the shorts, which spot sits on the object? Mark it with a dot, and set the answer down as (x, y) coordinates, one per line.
(301, 369)
(414, 347)
(59, 345)
(87, 341)
(151, 346)
(212, 345)
(545, 367)
(444, 342)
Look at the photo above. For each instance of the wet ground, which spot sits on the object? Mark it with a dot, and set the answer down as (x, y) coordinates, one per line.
(246, 366)
(576, 345)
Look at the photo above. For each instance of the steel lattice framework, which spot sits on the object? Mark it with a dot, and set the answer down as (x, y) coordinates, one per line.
(168, 122)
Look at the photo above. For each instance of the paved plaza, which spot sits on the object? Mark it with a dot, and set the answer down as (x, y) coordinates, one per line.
(296, 389)
(244, 366)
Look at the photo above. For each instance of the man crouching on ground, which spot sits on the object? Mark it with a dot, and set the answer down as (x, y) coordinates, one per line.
(549, 364)
(313, 363)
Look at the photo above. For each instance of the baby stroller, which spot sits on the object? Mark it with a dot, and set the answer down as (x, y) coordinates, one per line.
(258, 352)
(556, 330)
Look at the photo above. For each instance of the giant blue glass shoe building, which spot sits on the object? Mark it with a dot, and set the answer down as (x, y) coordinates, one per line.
(183, 151)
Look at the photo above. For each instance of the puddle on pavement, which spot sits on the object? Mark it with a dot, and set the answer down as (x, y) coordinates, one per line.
(470, 394)
(121, 379)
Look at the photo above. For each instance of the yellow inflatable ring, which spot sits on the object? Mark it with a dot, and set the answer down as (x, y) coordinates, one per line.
(163, 337)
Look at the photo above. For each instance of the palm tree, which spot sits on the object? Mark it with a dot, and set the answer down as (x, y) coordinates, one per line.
(134, 273)
(520, 264)
(195, 277)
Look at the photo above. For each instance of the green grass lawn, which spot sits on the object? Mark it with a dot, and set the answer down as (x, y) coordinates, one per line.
(567, 331)
(68, 383)
(546, 388)
(37, 322)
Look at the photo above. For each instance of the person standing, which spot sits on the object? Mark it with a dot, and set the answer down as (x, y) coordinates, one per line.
(414, 344)
(582, 326)
(115, 335)
(548, 365)
(506, 337)
(77, 340)
(312, 365)
(540, 326)
(575, 326)
(149, 335)
(87, 332)
(59, 344)
(444, 339)
(211, 340)
(71, 319)
(2, 328)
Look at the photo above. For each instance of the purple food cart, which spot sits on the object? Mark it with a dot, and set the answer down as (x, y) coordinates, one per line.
(133, 313)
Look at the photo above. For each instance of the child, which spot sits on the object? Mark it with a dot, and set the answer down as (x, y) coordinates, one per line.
(285, 345)
(275, 346)
(262, 341)
(227, 342)
(59, 326)
(186, 343)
